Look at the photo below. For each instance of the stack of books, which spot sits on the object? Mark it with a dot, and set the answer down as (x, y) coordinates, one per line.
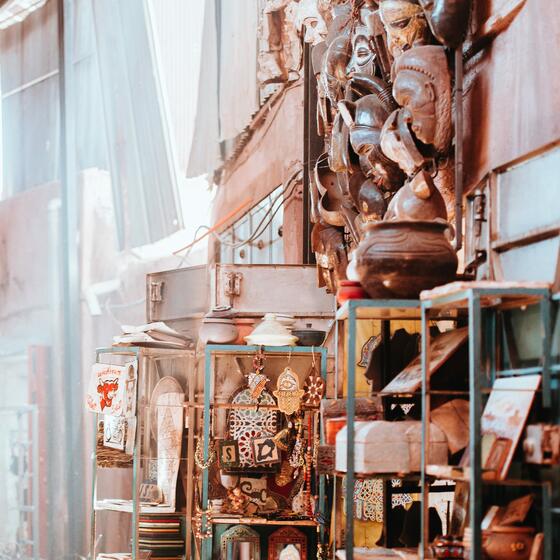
(155, 335)
(162, 535)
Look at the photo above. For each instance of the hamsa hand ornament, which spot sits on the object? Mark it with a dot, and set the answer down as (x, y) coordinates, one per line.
(288, 393)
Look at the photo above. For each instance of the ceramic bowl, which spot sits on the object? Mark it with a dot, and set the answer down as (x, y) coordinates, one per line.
(348, 289)
(310, 337)
(508, 543)
(218, 331)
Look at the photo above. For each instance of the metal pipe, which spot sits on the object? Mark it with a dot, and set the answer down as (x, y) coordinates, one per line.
(459, 147)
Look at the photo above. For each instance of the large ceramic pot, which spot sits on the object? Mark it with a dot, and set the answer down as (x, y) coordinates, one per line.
(508, 543)
(399, 259)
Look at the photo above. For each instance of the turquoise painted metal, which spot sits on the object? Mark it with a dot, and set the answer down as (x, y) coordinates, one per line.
(482, 321)
(213, 350)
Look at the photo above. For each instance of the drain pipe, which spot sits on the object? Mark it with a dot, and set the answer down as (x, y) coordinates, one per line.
(459, 147)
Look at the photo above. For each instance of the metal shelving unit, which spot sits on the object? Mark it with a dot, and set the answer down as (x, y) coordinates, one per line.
(149, 372)
(346, 326)
(211, 352)
(481, 306)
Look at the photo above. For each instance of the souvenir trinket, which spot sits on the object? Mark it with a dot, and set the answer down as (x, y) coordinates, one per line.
(237, 501)
(314, 388)
(247, 423)
(288, 393)
(285, 475)
(229, 454)
(326, 459)
(542, 444)
(115, 432)
(112, 389)
(256, 379)
(199, 455)
(287, 543)
(297, 457)
(282, 439)
(265, 451)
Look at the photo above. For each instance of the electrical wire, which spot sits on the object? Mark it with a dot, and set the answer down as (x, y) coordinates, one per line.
(262, 225)
(259, 230)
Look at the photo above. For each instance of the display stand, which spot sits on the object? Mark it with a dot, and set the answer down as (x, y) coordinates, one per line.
(153, 364)
(481, 305)
(212, 352)
(346, 326)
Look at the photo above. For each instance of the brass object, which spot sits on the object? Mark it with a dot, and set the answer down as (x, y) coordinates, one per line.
(199, 455)
(288, 393)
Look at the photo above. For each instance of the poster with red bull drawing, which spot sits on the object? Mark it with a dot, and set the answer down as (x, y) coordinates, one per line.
(112, 389)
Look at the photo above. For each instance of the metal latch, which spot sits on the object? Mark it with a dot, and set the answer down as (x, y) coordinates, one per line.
(156, 291)
(232, 286)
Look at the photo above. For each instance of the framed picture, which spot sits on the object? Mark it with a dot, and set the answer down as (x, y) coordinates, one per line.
(229, 454)
(265, 451)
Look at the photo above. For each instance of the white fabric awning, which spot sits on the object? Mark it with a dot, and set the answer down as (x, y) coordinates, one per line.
(15, 11)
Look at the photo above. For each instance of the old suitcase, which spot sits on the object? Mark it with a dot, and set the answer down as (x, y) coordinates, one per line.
(389, 447)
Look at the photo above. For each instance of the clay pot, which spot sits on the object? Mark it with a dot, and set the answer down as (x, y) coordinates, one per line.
(217, 331)
(508, 543)
(309, 336)
(333, 426)
(399, 259)
(245, 327)
(348, 289)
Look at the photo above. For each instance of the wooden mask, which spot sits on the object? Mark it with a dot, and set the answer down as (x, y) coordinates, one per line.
(448, 19)
(363, 52)
(398, 144)
(405, 24)
(422, 87)
(365, 119)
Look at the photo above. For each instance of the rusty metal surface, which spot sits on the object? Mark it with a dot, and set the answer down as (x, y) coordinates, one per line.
(269, 157)
(512, 91)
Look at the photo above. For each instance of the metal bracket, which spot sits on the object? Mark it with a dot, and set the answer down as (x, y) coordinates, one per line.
(156, 291)
(232, 286)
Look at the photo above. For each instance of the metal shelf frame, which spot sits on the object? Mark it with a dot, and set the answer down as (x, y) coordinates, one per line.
(142, 354)
(349, 313)
(481, 306)
(213, 350)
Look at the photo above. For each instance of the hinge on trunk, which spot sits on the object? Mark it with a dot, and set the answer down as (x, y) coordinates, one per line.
(156, 291)
(232, 285)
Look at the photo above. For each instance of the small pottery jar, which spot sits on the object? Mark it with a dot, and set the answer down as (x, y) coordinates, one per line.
(348, 289)
(245, 327)
(447, 547)
(333, 426)
(508, 543)
(399, 259)
(217, 331)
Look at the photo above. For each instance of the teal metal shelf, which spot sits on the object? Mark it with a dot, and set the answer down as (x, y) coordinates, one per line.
(349, 313)
(247, 350)
(482, 303)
